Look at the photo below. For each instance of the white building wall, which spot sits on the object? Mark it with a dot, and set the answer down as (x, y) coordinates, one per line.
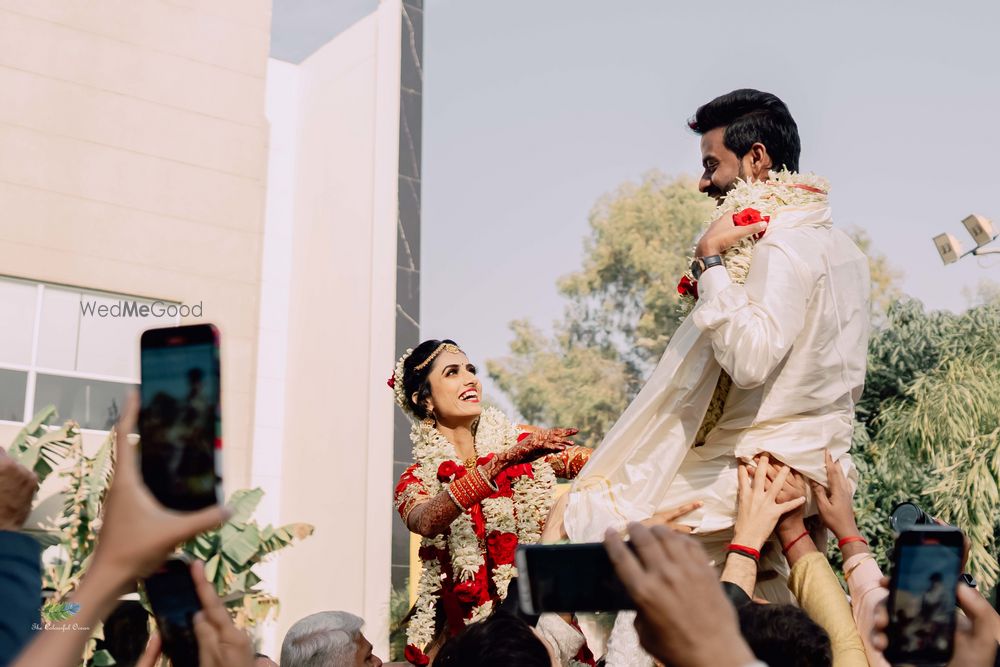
(327, 323)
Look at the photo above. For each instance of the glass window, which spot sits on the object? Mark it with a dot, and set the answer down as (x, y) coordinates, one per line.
(110, 345)
(76, 356)
(13, 384)
(92, 403)
(59, 329)
(17, 305)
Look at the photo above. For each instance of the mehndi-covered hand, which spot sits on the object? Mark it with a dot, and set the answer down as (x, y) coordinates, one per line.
(537, 444)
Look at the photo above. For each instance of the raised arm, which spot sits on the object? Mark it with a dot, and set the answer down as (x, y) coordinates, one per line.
(861, 572)
(757, 513)
(815, 586)
(753, 326)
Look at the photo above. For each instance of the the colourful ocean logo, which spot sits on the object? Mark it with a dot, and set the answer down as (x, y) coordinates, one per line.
(59, 611)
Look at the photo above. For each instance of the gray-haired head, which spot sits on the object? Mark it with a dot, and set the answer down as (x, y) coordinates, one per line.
(323, 639)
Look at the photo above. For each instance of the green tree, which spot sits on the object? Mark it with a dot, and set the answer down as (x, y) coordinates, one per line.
(931, 424)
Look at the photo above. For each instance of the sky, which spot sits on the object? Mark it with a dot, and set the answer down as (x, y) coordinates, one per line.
(534, 109)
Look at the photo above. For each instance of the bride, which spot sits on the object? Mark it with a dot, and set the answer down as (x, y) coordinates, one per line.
(478, 487)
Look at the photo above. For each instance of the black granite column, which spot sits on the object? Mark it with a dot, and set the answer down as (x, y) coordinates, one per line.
(407, 247)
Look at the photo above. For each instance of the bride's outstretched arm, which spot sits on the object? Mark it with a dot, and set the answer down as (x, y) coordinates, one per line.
(429, 515)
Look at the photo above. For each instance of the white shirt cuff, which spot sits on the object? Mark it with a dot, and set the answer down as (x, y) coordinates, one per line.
(712, 281)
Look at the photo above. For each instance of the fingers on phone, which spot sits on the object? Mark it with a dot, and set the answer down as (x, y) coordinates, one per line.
(624, 561)
(215, 612)
(151, 655)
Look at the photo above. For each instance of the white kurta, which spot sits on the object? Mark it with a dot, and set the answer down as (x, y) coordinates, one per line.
(794, 339)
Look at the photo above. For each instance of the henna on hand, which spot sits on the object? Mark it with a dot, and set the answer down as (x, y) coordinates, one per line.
(433, 517)
(538, 444)
(568, 463)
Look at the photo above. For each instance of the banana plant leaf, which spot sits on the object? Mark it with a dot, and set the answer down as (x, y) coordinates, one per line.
(40, 449)
(240, 545)
(243, 503)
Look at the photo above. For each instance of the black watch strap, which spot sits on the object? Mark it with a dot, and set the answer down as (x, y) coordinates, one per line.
(702, 264)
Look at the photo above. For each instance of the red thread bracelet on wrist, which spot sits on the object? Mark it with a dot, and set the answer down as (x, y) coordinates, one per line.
(744, 551)
(851, 538)
(788, 546)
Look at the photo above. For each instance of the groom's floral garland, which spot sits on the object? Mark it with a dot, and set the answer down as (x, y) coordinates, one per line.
(749, 203)
(511, 516)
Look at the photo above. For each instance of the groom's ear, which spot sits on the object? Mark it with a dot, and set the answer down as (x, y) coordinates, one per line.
(757, 162)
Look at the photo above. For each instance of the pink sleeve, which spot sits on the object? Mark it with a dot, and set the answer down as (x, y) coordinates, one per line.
(863, 575)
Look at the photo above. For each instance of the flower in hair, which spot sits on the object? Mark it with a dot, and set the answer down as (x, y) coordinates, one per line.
(396, 383)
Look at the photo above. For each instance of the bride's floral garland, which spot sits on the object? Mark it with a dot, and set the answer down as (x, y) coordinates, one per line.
(749, 202)
(514, 514)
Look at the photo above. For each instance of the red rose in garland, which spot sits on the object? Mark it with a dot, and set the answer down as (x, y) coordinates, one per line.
(449, 469)
(687, 287)
(468, 591)
(415, 656)
(750, 216)
(501, 547)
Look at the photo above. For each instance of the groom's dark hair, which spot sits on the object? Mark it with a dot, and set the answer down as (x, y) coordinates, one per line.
(749, 117)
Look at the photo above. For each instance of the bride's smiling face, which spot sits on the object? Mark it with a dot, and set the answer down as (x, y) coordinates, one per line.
(456, 391)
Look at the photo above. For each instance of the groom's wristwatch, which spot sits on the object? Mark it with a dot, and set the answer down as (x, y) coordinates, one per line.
(700, 264)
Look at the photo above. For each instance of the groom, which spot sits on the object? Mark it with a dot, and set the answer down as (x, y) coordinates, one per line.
(793, 339)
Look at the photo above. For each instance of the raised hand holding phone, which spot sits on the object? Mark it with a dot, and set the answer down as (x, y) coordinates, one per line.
(137, 534)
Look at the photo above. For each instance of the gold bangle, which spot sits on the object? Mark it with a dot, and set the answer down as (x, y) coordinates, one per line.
(848, 573)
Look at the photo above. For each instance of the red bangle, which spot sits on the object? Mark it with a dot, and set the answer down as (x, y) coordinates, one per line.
(744, 551)
(852, 538)
(788, 546)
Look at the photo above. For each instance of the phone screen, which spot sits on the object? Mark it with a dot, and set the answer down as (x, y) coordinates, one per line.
(179, 422)
(568, 578)
(175, 601)
(922, 604)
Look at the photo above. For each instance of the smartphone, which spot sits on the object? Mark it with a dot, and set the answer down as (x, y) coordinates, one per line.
(568, 578)
(926, 565)
(180, 426)
(174, 600)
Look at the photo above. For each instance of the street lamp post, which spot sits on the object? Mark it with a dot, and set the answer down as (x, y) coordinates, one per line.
(981, 231)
